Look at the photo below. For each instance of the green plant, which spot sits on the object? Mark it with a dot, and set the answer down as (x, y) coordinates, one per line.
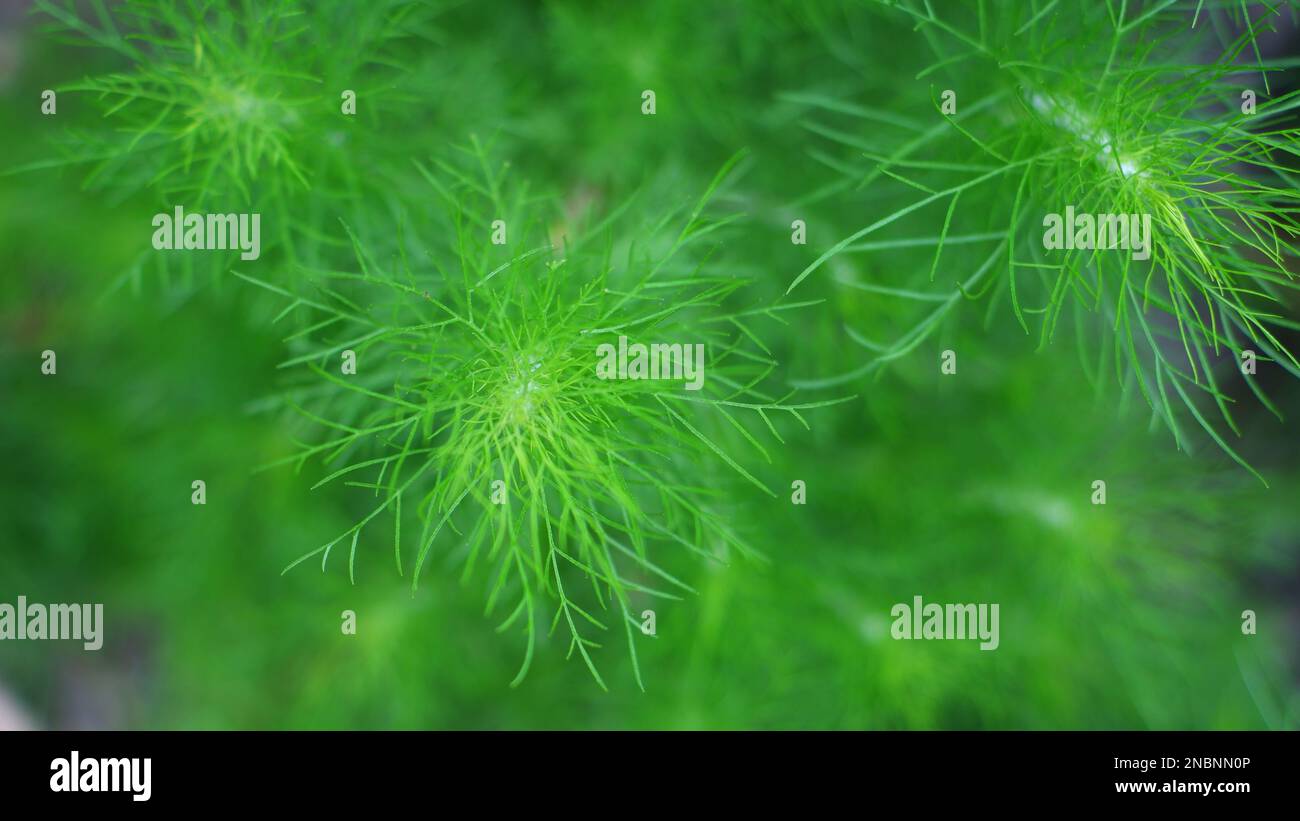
(244, 107)
(476, 444)
(1052, 121)
(478, 398)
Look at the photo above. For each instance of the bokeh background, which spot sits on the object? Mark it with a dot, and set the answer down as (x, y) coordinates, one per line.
(976, 488)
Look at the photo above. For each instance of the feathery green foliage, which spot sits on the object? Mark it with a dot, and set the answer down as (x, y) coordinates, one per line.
(479, 378)
(477, 362)
(1046, 120)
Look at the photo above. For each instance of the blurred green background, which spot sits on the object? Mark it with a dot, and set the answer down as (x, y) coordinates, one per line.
(974, 489)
